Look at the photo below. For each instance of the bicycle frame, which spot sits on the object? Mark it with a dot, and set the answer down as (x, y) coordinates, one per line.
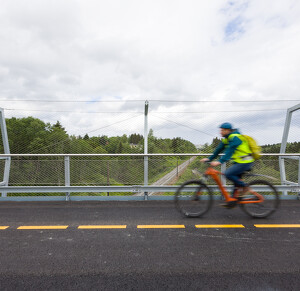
(215, 174)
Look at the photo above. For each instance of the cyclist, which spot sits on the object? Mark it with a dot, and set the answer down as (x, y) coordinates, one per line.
(235, 148)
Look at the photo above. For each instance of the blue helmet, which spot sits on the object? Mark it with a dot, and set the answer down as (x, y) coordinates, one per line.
(226, 125)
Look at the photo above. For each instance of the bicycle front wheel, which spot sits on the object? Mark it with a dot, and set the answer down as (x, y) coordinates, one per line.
(193, 198)
(265, 208)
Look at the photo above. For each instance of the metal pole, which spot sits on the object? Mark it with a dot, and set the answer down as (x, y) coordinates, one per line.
(146, 148)
(283, 147)
(108, 183)
(299, 178)
(299, 171)
(67, 176)
(223, 169)
(284, 143)
(6, 150)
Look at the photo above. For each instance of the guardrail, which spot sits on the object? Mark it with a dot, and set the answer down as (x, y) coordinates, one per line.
(71, 192)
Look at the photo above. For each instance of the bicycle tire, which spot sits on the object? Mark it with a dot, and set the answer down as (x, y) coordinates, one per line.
(193, 203)
(265, 208)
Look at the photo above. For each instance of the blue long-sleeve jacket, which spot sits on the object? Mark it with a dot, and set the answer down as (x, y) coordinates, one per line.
(229, 148)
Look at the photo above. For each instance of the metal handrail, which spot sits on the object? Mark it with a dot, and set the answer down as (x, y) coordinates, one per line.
(127, 155)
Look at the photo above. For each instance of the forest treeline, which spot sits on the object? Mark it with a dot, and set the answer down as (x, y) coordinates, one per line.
(32, 135)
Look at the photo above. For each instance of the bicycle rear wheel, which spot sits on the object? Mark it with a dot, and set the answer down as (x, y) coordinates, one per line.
(265, 208)
(193, 198)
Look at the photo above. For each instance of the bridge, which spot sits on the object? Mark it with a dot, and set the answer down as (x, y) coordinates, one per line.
(58, 173)
(54, 237)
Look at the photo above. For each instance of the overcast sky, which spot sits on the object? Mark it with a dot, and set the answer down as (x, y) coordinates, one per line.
(168, 50)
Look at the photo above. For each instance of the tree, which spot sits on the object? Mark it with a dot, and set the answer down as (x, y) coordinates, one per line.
(25, 134)
(103, 140)
(135, 138)
(58, 126)
(151, 133)
(124, 138)
(119, 148)
(58, 140)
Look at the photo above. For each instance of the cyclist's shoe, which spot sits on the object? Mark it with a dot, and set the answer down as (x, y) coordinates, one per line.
(229, 204)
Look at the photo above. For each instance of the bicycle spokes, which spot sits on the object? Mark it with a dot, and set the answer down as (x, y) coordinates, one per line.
(193, 198)
(262, 200)
(252, 197)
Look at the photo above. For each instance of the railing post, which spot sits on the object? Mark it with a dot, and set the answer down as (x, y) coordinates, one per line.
(299, 177)
(286, 130)
(108, 183)
(6, 151)
(146, 149)
(298, 171)
(67, 176)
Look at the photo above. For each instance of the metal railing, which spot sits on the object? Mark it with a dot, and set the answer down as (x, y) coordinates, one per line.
(69, 168)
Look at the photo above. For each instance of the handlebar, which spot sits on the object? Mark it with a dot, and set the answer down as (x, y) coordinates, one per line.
(209, 163)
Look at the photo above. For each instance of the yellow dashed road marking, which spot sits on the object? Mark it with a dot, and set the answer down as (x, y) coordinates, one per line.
(219, 226)
(162, 226)
(101, 226)
(275, 225)
(153, 226)
(44, 227)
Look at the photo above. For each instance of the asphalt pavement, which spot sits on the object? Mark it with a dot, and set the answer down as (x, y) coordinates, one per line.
(146, 245)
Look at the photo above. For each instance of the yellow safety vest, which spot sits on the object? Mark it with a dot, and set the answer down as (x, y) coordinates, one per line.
(242, 154)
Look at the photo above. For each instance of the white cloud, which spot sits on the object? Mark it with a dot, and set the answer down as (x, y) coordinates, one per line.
(165, 50)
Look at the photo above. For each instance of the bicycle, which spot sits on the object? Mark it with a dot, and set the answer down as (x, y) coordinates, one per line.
(194, 198)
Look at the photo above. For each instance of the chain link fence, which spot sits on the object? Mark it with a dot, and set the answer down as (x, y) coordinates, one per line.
(125, 171)
(174, 128)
